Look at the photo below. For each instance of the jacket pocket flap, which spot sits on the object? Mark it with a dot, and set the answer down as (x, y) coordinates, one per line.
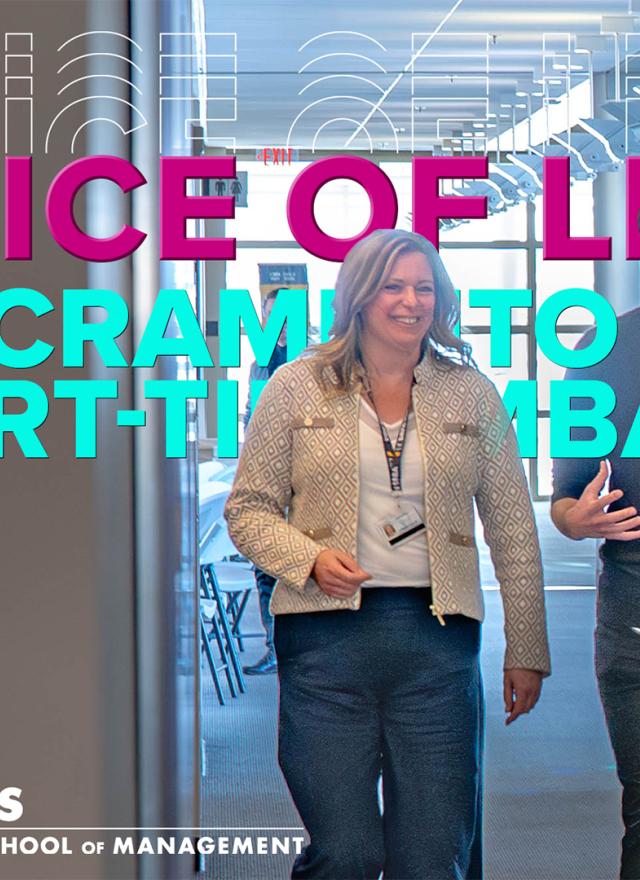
(462, 540)
(460, 428)
(312, 422)
(319, 533)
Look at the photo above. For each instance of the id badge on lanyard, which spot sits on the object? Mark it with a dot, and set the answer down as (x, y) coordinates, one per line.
(403, 526)
(405, 523)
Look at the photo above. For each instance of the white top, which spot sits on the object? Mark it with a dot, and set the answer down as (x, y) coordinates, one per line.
(407, 564)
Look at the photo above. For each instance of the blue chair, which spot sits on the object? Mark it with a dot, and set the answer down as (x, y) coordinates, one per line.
(222, 628)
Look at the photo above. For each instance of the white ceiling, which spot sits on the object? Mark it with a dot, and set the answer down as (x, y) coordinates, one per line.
(396, 74)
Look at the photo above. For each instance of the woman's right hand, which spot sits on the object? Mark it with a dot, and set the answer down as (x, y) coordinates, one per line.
(338, 574)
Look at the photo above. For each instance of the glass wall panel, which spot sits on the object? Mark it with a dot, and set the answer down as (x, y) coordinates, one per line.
(547, 370)
(489, 268)
(342, 209)
(555, 275)
(268, 188)
(481, 347)
(509, 225)
(581, 210)
(544, 458)
(243, 273)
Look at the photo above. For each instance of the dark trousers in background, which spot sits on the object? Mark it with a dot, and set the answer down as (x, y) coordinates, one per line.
(265, 584)
(618, 672)
(383, 690)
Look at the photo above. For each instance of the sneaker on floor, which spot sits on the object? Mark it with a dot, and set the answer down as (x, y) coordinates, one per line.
(267, 665)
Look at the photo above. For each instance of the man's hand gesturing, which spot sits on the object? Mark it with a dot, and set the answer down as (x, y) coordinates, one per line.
(586, 517)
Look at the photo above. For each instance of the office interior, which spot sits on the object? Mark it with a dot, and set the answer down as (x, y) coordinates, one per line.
(114, 716)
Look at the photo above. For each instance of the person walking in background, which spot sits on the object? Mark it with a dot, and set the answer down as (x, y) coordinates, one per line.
(579, 510)
(265, 582)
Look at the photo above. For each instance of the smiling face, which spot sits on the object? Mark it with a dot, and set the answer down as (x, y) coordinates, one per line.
(402, 311)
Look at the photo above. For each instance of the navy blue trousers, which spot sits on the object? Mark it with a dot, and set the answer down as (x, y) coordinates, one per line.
(265, 584)
(618, 672)
(383, 692)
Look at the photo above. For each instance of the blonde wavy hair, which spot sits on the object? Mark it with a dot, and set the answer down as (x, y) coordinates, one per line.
(365, 270)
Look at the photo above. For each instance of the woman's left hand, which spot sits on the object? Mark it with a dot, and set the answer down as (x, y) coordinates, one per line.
(521, 691)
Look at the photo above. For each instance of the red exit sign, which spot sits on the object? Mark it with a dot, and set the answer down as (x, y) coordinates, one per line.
(277, 155)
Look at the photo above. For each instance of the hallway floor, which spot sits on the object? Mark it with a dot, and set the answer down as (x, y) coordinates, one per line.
(551, 794)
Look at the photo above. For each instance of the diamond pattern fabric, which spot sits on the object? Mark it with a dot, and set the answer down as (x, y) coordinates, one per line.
(298, 472)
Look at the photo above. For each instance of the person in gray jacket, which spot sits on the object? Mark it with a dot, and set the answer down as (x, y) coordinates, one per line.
(356, 489)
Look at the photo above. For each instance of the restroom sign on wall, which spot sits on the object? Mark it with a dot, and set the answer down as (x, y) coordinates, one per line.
(224, 186)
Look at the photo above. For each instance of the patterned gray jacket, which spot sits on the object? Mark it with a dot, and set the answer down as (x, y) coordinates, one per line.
(296, 492)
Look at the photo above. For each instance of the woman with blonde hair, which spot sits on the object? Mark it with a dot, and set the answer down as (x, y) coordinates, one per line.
(356, 489)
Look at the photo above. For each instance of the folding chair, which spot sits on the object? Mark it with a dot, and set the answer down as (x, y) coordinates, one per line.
(213, 593)
(206, 644)
(236, 581)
